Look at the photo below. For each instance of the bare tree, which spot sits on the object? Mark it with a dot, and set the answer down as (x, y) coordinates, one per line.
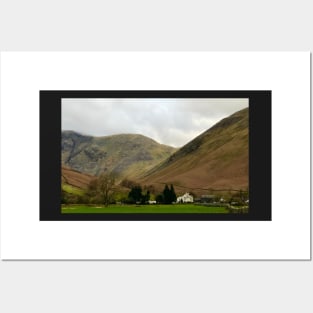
(103, 187)
(106, 187)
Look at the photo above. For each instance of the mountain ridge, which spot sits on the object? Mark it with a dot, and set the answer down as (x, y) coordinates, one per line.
(218, 158)
(124, 154)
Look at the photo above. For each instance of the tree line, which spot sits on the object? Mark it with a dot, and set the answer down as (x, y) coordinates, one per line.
(100, 190)
(103, 190)
(136, 195)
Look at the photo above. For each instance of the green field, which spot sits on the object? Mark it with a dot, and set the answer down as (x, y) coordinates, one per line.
(72, 190)
(152, 208)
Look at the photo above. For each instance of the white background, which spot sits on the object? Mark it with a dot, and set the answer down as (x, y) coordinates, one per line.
(285, 237)
(157, 286)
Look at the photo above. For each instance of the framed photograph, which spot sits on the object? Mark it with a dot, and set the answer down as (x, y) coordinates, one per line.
(155, 155)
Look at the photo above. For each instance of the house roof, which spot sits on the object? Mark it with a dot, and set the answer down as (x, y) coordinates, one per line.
(186, 194)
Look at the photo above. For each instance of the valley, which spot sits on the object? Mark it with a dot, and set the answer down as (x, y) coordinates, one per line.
(215, 162)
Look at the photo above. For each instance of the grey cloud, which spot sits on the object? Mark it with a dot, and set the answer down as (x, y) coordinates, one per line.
(168, 121)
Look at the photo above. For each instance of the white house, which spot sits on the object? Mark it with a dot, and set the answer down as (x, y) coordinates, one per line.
(185, 198)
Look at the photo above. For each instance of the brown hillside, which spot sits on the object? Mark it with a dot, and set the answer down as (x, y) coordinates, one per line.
(75, 178)
(216, 159)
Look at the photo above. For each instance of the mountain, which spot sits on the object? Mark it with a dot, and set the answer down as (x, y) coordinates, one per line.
(128, 155)
(216, 159)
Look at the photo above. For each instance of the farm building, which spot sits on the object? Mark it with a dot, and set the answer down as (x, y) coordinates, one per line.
(207, 199)
(186, 198)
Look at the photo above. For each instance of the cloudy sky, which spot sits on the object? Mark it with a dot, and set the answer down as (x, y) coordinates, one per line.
(169, 121)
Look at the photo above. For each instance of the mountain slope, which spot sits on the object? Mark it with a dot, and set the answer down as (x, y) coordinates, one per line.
(217, 159)
(128, 155)
(75, 179)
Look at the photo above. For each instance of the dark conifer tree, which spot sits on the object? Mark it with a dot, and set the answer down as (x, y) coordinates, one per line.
(135, 194)
(159, 198)
(148, 195)
(167, 195)
(173, 194)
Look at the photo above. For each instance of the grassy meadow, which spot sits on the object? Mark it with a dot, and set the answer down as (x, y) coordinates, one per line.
(152, 208)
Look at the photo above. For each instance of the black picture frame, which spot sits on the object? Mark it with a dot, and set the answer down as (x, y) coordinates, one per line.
(260, 171)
